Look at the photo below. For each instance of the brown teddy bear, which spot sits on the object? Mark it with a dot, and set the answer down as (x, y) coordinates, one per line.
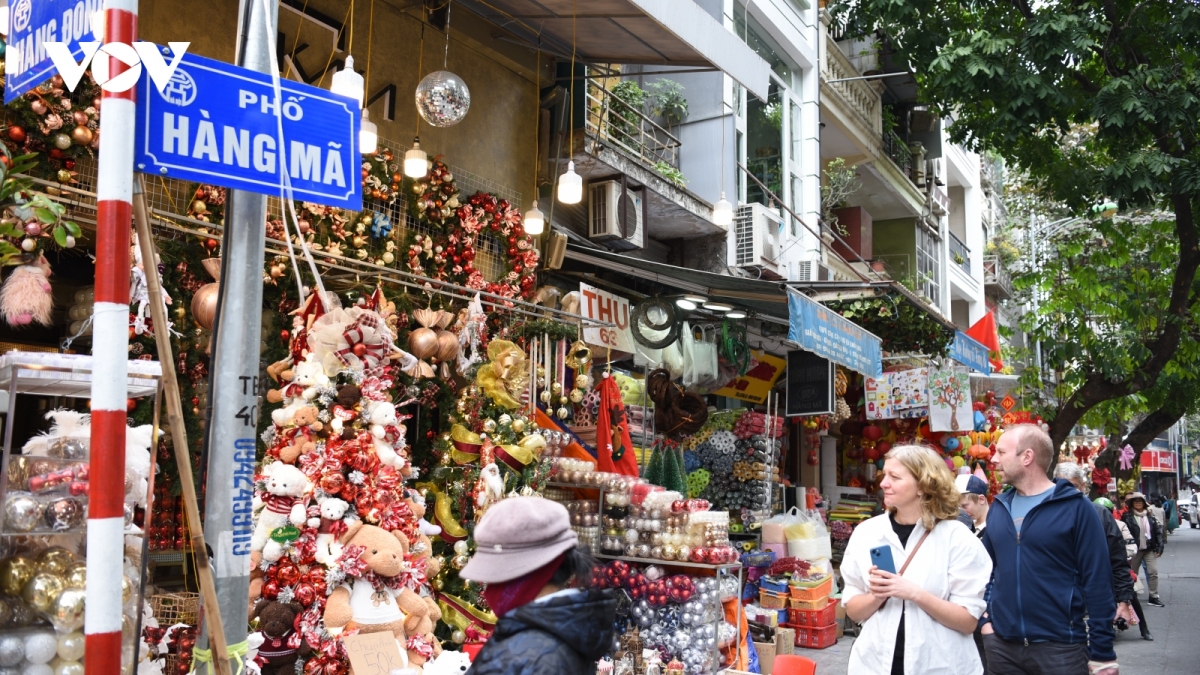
(307, 426)
(422, 614)
(357, 603)
(276, 621)
(281, 372)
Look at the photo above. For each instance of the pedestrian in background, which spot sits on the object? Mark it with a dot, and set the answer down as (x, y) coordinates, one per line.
(1160, 514)
(1118, 557)
(918, 621)
(1171, 508)
(1130, 551)
(1145, 530)
(973, 501)
(1051, 569)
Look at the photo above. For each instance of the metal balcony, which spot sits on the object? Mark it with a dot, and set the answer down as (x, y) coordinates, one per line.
(613, 121)
(996, 279)
(959, 254)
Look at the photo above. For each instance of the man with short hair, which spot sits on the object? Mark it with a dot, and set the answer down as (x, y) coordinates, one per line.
(1050, 569)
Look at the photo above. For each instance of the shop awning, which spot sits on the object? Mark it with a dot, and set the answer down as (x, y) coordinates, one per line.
(647, 32)
(768, 299)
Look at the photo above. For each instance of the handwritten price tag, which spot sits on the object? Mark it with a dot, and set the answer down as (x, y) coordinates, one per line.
(374, 654)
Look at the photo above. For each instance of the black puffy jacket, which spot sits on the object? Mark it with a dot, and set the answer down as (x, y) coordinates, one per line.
(1154, 540)
(1122, 580)
(562, 636)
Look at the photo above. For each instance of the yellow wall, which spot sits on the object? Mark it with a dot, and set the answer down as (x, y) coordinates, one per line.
(494, 141)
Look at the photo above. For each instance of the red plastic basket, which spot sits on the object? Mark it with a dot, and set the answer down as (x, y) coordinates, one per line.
(810, 618)
(816, 638)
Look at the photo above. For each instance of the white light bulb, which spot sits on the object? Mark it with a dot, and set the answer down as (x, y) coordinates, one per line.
(368, 136)
(570, 186)
(416, 162)
(535, 220)
(722, 211)
(684, 303)
(347, 82)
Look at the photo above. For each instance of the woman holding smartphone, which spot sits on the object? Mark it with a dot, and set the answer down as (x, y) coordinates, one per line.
(918, 617)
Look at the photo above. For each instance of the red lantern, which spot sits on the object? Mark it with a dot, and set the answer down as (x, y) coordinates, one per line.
(872, 432)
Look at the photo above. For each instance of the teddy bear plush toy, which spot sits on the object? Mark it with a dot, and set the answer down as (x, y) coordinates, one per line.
(448, 663)
(308, 377)
(276, 621)
(358, 602)
(421, 614)
(282, 504)
(387, 433)
(334, 521)
(302, 435)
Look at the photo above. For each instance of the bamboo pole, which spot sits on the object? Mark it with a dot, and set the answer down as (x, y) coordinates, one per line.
(162, 338)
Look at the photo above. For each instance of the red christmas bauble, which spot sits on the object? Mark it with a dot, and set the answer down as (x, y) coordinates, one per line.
(55, 153)
(518, 268)
(270, 589)
(287, 573)
(306, 594)
(210, 244)
(284, 335)
(512, 240)
(360, 350)
(16, 134)
(332, 483)
(349, 491)
(130, 404)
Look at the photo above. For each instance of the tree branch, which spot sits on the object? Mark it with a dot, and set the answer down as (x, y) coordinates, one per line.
(1155, 423)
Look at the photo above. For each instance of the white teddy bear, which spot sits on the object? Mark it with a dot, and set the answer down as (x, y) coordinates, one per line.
(284, 504)
(308, 377)
(387, 433)
(448, 663)
(334, 522)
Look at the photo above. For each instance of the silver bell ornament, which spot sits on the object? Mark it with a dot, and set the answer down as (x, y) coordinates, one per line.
(443, 99)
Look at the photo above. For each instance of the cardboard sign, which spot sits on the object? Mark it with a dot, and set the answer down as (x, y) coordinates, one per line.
(604, 306)
(758, 381)
(374, 654)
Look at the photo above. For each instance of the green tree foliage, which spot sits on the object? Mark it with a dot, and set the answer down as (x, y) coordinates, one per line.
(1122, 76)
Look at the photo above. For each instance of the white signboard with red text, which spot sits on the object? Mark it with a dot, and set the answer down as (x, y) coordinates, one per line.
(603, 306)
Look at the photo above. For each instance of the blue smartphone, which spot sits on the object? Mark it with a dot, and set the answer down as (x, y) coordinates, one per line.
(881, 557)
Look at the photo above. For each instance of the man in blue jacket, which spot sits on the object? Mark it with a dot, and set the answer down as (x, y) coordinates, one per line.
(1050, 570)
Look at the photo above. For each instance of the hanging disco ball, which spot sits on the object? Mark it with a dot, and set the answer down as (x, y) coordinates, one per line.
(443, 99)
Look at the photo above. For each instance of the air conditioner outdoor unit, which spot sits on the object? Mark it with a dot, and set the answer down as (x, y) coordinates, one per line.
(605, 204)
(757, 237)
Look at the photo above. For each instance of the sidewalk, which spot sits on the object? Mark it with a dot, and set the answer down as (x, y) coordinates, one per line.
(1176, 628)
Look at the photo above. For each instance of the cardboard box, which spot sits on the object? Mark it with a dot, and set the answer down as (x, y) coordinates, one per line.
(841, 617)
(766, 656)
(785, 641)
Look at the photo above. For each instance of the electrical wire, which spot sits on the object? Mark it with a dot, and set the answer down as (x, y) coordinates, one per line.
(370, 36)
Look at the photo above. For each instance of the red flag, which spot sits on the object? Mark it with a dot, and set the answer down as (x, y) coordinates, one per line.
(985, 332)
(614, 447)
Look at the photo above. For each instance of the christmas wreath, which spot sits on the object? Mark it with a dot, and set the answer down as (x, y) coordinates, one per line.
(63, 125)
(381, 178)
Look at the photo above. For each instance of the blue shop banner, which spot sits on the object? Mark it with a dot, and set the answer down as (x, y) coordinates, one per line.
(33, 23)
(823, 331)
(970, 352)
(218, 123)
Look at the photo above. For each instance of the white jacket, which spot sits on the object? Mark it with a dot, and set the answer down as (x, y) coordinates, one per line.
(952, 564)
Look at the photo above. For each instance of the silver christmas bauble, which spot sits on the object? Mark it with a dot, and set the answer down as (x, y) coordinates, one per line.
(12, 650)
(443, 99)
(21, 513)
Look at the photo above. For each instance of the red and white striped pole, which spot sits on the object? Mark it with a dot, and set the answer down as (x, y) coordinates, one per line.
(110, 354)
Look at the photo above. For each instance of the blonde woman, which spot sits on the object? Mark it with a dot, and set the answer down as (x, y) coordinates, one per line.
(921, 619)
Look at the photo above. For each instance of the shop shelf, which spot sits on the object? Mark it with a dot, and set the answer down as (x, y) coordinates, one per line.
(47, 374)
(670, 563)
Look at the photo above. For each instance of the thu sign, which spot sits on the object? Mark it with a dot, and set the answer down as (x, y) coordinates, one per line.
(603, 306)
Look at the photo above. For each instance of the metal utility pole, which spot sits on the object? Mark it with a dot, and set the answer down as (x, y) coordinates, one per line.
(110, 354)
(232, 427)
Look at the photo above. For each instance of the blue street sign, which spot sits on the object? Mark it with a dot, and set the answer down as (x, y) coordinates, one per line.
(826, 333)
(970, 352)
(217, 123)
(32, 23)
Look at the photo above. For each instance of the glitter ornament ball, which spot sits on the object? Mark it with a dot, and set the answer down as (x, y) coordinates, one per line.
(21, 512)
(40, 647)
(443, 99)
(12, 650)
(70, 646)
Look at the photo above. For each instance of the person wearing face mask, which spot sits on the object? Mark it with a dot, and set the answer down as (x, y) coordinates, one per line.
(920, 619)
(1050, 606)
(1146, 530)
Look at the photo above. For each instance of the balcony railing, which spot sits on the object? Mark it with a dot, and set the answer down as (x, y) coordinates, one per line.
(615, 122)
(857, 95)
(996, 277)
(898, 152)
(959, 253)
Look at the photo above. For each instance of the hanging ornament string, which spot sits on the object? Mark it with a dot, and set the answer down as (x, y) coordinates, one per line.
(446, 55)
(370, 36)
(574, 19)
(420, 69)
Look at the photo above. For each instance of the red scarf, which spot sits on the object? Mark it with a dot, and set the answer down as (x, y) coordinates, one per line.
(508, 595)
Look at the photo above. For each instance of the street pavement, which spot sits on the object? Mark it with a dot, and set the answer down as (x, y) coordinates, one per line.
(1176, 627)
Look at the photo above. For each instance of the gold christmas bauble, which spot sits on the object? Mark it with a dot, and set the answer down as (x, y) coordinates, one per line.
(556, 388)
(506, 419)
(76, 575)
(81, 135)
(66, 613)
(563, 413)
(489, 425)
(447, 345)
(423, 343)
(437, 583)
(204, 305)
(15, 572)
(576, 395)
(518, 425)
(459, 561)
(56, 560)
(458, 637)
(545, 396)
(41, 591)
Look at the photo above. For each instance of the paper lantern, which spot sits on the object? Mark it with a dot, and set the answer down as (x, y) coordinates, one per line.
(872, 432)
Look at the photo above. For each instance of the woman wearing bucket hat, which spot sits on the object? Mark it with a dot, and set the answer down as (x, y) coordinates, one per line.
(1145, 529)
(533, 568)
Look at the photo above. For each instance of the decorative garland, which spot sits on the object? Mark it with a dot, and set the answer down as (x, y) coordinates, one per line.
(63, 125)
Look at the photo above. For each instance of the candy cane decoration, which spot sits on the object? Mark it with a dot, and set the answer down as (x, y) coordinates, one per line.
(110, 352)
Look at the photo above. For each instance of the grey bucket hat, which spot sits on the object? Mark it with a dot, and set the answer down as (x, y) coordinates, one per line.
(517, 536)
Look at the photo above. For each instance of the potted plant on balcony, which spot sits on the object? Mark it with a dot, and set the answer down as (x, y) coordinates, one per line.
(667, 102)
(623, 122)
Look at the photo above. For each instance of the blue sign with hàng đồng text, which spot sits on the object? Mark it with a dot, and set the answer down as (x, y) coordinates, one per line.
(970, 352)
(823, 331)
(218, 123)
(33, 23)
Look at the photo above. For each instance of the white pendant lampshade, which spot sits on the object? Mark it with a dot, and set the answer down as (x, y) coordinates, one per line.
(535, 220)
(347, 82)
(722, 211)
(368, 136)
(570, 186)
(416, 162)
